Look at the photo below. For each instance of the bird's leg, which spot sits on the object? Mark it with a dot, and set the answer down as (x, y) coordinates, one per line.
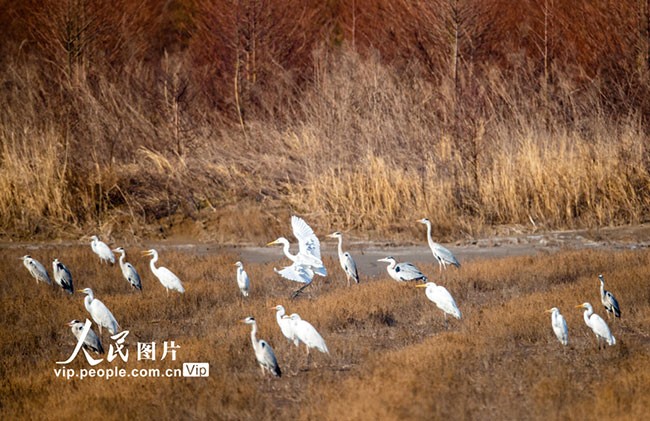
(446, 322)
(299, 290)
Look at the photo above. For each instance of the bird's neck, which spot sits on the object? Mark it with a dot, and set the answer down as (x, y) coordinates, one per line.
(285, 248)
(253, 335)
(279, 314)
(340, 246)
(152, 264)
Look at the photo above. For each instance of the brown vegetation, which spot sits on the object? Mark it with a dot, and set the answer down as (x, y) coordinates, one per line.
(128, 117)
(391, 357)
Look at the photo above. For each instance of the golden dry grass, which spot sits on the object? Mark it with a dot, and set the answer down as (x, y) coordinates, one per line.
(391, 357)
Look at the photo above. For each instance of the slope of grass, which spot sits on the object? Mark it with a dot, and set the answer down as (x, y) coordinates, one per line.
(391, 356)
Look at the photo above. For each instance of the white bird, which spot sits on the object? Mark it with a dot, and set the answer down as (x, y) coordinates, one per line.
(597, 324)
(307, 262)
(559, 325)
(263, 351)
(100, 313)
(102, 250)
(243, 281)
(36, 269)
(128, 271)
(91, 342)
(62, 276)
(442, 254)
(286, 326)
(607, 298)
(307, 334)
(402, 272)
(346, 260)
(442, 299)
(164, 275)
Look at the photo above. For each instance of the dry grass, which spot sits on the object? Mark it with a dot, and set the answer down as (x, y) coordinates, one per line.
(365, 144)
(391, 357)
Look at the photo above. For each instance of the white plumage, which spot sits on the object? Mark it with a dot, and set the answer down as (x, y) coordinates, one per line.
(597, 325)
(307, 262)
(307, 334)
(100, 314)
(559, 326)
(243, 281)
(166, 277)
(102, 250)
(286, 326)
(442, 299)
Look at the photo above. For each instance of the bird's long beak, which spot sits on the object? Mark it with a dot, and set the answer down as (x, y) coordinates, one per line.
(421, 286)
(548, 311)
(272, 242)
(146, 253)
(580, 306)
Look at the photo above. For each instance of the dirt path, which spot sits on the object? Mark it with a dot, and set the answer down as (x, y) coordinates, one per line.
(366, 254)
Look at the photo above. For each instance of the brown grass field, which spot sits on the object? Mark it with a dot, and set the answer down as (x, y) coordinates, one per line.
(390, 355)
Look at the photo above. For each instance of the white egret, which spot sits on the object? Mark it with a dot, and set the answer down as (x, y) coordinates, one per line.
(62, 276)
(597, 324)
(284, 321)
(99, 312)
(608, 300)
(442, 299)
(559, 325)
(263, 351)
(304, 332)
(442, 254)
(164, 275)
(128, 271)
(102, 250)
(243, 281)
(307, 262)
(346, 260)
(91, 342)
(36, 269)
(402, 272)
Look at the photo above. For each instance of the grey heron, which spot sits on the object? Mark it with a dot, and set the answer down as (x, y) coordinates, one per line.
(243, 281)
(607, 298)
(62, 276)
(345, 259)
(36, 269)
(442, 254)
(559, 325)
(597, 325)
(402, 272)
(166, 277)
(263, 351)
(100, 314)
(91, 342)
(441, 297)
(102, 250)
(307, 262)
(128, 271)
